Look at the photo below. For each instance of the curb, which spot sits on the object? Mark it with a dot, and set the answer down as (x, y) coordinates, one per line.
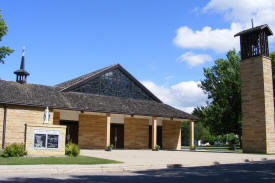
(67, 169)
(79, 169)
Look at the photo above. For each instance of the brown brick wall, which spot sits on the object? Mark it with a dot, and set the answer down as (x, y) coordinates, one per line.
(171, 135)
(17, 117)
(56, 118)
(269, 106)
(92, 131)
(136, 133)
(258, 133)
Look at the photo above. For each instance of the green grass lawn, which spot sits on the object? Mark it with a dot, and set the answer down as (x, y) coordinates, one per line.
(217, 148)
(81, 160)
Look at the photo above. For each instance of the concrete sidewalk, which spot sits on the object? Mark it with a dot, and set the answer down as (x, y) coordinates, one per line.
(139, 160)
(184, 157)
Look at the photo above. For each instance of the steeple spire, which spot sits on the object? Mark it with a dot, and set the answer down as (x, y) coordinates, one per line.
(22, 66)
(21, 74)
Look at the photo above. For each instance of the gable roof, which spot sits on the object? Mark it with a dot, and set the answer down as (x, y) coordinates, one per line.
(76, 82)
(70, 83)
(254, 29)
(43, 96)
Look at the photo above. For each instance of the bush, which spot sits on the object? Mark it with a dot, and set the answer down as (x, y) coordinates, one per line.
(211, 140)
(157, 147)
(234, 141)
(72, 150)
(110, 147)
(14, 150)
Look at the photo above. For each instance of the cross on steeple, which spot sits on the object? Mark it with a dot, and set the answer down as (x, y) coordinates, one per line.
(21, 74)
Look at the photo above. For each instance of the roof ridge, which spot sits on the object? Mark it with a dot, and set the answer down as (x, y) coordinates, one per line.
(29, 84)
(259, 27)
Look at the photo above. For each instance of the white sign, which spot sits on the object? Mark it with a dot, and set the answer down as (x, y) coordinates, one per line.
(45, 139)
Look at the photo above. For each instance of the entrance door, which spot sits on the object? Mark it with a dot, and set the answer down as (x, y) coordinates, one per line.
(159, 136)
(117, 135)
(71, 131)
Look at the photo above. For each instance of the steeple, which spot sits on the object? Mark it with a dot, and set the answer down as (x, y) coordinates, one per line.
(21, 74)
(258, 134)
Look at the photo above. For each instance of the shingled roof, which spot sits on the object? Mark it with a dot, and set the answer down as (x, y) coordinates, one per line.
(254, 29)
(43, 96)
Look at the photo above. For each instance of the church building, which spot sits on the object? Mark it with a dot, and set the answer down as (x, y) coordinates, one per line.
(107, 106)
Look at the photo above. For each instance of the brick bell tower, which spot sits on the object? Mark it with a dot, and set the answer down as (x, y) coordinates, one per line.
(258, 132)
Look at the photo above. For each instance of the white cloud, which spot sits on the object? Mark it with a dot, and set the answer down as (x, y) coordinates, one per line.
(194, 59)
(219, 40)
(239, 13)
(243, 10)
(185, 95)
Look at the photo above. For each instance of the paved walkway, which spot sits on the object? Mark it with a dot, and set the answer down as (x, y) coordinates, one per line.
(149, 158)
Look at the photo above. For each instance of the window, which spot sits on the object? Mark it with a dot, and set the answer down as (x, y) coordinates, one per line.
(52, 141)
(39, 141)
(45, 139)
(114, 83)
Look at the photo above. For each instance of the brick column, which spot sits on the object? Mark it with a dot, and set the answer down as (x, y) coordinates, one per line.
(108, 130)
(258, 132)
(154, 133)
(191, 137)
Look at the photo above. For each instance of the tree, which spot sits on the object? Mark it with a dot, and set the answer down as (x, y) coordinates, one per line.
(222, 85)
(4, 50)
(201, 132)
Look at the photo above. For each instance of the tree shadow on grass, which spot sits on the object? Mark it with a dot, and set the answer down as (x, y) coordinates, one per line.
(251, 172)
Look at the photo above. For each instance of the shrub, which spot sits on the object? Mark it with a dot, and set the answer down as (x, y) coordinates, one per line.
(110, 147)
(72, 150)
(157, 147)
(14, 150)
(230, 136)
(234, 141)
(219, 138)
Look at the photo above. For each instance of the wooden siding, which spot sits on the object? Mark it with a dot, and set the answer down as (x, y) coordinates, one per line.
(171, 135)
(136, 133)
(92, 131)
(56, 118)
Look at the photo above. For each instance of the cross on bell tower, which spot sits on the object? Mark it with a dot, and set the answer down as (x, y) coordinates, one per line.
(22, 74)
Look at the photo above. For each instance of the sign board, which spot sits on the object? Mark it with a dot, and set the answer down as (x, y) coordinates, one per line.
(45, 139)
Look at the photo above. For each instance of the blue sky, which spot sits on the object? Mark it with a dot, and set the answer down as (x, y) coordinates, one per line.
(164, 44)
